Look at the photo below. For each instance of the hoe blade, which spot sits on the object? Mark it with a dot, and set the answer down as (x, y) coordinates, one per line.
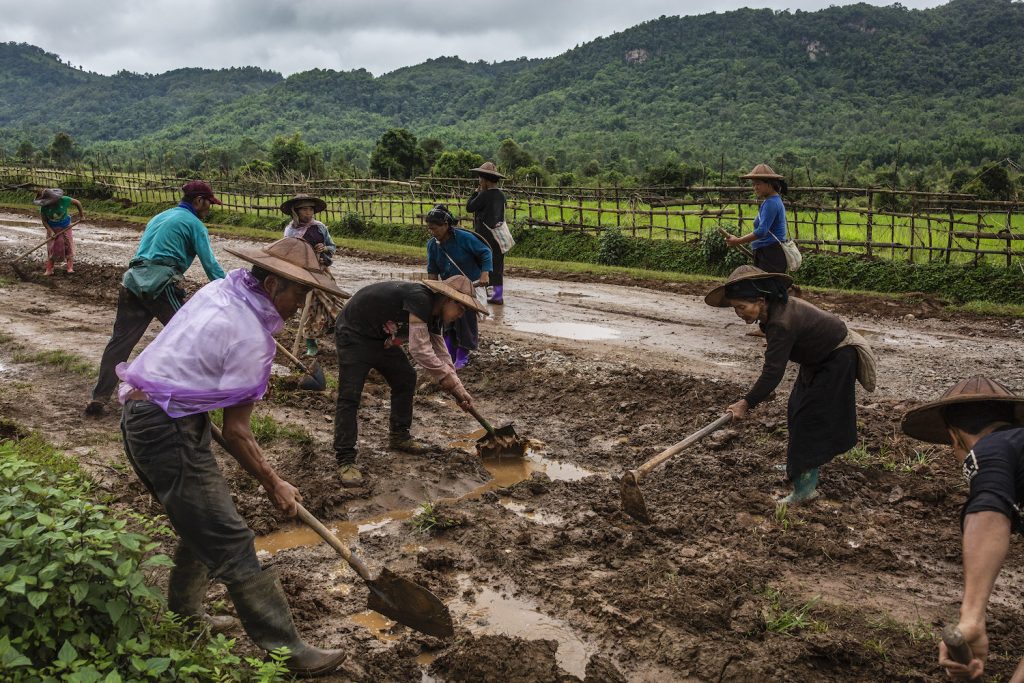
(633, 503)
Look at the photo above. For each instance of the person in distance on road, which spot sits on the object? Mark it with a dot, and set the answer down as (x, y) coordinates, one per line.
(53, 206)
(487, 204)
(983, 422)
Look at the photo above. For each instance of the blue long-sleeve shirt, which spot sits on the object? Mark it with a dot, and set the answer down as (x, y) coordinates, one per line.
(467, 250)
(178, 234)
(771, 220)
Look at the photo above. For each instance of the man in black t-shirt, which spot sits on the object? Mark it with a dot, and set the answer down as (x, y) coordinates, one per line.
(370, 333)
(981, 419)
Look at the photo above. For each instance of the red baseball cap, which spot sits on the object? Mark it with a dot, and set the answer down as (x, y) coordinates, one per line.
(199, 188)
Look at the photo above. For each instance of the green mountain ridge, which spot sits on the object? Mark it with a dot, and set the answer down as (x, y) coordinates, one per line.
(844, 85)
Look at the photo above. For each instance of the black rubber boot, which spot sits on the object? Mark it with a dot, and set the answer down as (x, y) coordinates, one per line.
(187, 588)
(263, 608)
(404, 442)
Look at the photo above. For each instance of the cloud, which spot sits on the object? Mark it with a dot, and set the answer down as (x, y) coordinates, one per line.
(159, 35)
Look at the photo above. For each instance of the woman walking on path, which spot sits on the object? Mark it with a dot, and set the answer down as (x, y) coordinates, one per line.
(452, 251)
(822, 411)
(770, 225)
(54, 205)
(487, 205)
(302, 208)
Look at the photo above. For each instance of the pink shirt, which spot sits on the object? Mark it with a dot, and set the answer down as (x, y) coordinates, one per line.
(214, 353)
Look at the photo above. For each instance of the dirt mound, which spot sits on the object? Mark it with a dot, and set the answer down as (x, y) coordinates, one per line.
(501, 658)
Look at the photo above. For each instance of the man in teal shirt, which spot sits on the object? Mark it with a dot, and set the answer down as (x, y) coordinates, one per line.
(149, 289)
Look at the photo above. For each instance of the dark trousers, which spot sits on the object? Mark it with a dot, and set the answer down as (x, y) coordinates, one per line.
(131, 322)
(173, 459)
(356, 357)
(497, 278)
(771, 259)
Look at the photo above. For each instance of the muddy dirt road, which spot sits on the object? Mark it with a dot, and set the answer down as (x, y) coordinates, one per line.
(547, 579)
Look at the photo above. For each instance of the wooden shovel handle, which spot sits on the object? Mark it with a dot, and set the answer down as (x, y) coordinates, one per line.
(49, 239)
(480, 418)
(742, 248)
(651, 464)
(312, 522)
(292, 358)
(958, 649)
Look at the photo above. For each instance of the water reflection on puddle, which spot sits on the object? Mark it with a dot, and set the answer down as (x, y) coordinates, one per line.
(380, 626)
(580, 331)
(303, 536)
(531, 513)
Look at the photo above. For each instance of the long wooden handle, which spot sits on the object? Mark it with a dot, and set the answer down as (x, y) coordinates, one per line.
(483, 423)
(292, 358)
(742, 248)
(307, 517)
(958, 649)
(651, 464)
(49, 239)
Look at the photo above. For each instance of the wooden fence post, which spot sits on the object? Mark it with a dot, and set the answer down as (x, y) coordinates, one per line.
(869, 227)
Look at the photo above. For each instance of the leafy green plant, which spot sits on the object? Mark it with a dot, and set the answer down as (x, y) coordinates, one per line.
(430, 517)
(779, 619)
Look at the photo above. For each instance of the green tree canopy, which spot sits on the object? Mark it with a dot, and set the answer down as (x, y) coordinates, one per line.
(398, 155)
(456, 164)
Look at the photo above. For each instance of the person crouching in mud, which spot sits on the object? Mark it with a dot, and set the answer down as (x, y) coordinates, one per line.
(822, 411)
(984, 424)
(370, 332)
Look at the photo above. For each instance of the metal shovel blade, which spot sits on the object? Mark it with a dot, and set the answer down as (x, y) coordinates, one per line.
(314, 380)
(410, 604)
(505, 441)
(632, 498)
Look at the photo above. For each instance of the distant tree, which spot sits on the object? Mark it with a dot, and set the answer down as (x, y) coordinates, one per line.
(512, 157)
(591, 168)
(456, 164)
(994, 183)
(432, 147)
(256, 168)
(398, 155)
(291, 153)
(672, 174)
(565, 179)
(550, 164)
(533, 174)
(959, 178)
(25, 151)
(62, 148)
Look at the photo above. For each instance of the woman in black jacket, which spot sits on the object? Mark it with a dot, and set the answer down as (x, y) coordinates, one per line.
(487, 205)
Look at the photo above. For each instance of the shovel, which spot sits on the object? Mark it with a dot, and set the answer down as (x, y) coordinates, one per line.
(500, 441)
(312, 378)
(393, 596)
(629, 489)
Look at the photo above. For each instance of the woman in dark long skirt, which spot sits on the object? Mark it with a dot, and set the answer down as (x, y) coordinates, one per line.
(487, 205)
(822, 412)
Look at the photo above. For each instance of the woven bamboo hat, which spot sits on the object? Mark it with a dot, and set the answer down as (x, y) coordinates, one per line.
(303, 200)
(488, 168)
(926, 422)
(293, 259)
(716, 297)
(458, 288)
(762, 172)
(49, 196)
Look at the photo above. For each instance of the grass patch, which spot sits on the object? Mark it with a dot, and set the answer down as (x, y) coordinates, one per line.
(68, 362)
(33, 447)
(990, 308)
(788, 620)
(899, 460)
(430, 517)
(266, 429)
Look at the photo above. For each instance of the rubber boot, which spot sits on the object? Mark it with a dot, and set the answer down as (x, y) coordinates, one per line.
(498, 297)
(186, 589)
(404, 442)
(461, 358)
(311, 348)
(49, 267)
(95, 408)
(263, 608)
(804, 488)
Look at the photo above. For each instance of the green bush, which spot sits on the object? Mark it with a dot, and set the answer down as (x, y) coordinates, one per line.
(75, 604)
(612, 248)
(719, 255)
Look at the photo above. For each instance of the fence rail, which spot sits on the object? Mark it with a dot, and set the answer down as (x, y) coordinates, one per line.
(882, 222)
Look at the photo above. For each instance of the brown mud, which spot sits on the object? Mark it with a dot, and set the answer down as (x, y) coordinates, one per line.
(546, 578)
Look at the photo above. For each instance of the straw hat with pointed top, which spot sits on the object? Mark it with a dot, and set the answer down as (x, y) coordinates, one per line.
(762, 172)
(293, 259)
(716, 297)
(457, 288)
(488, 168)
(303, 200)
(926, 422)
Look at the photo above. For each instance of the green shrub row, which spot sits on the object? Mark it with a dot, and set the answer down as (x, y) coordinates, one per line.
(76, 604)
(706, 256)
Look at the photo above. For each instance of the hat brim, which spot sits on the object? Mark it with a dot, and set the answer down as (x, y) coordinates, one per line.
(290, 271)
(762, 176)
(45, 202)
(318, 204)
(487, 172)
(454, 294)
(716, 297)
(925, 422)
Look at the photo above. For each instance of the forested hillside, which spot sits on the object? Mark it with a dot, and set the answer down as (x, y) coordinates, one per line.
(842, 87)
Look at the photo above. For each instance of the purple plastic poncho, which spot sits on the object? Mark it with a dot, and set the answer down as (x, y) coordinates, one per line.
(215, 352)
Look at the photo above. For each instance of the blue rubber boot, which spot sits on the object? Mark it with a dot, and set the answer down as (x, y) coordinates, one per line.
(461, 358)
(498, 296)
(805, 488)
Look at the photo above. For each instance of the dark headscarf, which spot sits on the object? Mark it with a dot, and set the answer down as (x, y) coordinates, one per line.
(770, 289)
(440, 214)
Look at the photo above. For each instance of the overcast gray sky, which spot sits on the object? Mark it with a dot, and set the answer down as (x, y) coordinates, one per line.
(154, 36)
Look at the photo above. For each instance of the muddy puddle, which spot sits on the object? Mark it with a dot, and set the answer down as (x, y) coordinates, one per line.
(579, 331)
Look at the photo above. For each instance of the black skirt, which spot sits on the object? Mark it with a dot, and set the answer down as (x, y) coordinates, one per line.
(771, 259)
(822, 412)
